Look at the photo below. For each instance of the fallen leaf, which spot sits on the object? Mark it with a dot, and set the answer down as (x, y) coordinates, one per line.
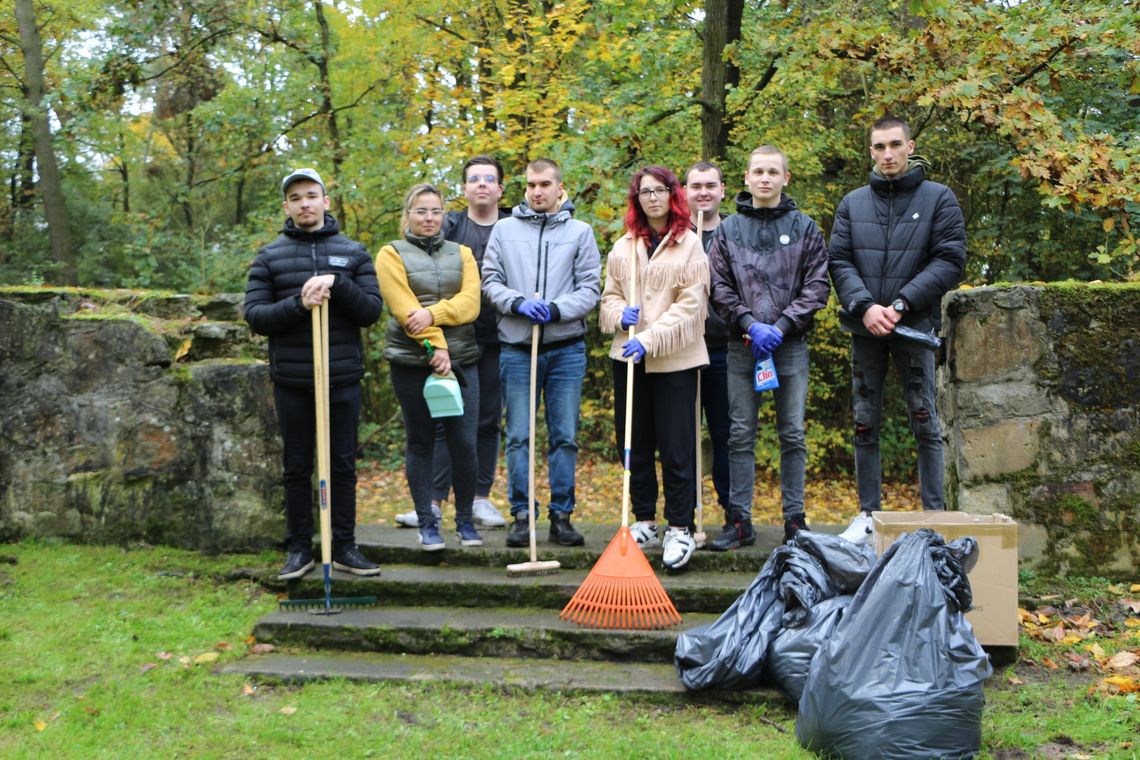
(262, 648)
(164, 655)
(288, 710)
(1049, 663)
(1122, 660)
(147, 666)
(90, 710)
(250, 639)
(249, 690)
(1097, 651)
(1071, 638)
(1015, 680)
(1134, 587)
(1130, 604)
(1122, 684)
(1116, 589)
(40, 725)
(1078, 663)
(184, 661)
(1132, 622)
(205, 657)
(223, 645)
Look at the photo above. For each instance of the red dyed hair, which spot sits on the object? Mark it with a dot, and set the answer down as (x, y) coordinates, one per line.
(678, 220)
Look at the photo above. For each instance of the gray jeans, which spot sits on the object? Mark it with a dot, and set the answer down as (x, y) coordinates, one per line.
(915, 368)
(790, 398)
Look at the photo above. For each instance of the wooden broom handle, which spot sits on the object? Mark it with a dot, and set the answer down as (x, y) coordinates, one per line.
(534, 338)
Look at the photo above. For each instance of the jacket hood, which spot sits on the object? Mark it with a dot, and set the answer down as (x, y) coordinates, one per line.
(744, 206)
(524, 212)
(330, 227)
(917, 169)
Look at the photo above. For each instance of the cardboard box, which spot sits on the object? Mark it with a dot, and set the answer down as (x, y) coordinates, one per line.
(993, 579)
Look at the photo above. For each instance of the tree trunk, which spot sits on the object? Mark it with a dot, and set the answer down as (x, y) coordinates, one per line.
(327, 108)
(722, 27)
(51, 184)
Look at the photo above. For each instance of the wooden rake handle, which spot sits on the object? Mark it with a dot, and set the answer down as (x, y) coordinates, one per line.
(321, 401)
(532, 411)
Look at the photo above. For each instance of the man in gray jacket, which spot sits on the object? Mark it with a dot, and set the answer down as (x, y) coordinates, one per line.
(897, 245)
(542, 267)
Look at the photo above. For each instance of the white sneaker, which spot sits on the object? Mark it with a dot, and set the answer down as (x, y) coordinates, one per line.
(645, 534)
(412, 520)
(679, 548)
(861, 530)
(486, 516)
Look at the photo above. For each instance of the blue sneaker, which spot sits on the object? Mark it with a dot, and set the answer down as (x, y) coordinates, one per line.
(430, 540)
(467, 534)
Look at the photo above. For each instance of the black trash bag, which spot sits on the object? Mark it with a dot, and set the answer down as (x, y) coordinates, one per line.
(729, 653)
(791, 651)
(846, 563)
(902, 674)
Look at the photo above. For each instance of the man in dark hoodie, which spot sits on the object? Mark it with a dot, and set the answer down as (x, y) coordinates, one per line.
(897, 245)
(309, 264)
(769, 278)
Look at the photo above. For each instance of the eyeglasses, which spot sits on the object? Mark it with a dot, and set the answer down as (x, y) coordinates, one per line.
(490, 179)
(424, 213)
(653, 192)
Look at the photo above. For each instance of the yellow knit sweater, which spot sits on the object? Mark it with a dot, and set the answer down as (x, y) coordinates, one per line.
(460, 309)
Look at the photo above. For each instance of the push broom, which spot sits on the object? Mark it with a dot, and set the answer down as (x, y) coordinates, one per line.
(534, 567)
(331, 605)
(622, 590)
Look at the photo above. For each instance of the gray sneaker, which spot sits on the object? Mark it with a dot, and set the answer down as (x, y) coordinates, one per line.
(412, 520)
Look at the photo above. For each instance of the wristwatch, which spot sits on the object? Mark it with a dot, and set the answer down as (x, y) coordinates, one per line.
(899, 305)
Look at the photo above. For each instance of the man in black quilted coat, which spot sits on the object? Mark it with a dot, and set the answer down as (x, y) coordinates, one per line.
(897, 246)
(310, 263)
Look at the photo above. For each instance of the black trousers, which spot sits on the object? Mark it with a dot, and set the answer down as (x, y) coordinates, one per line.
(664, 422)
(297, 418)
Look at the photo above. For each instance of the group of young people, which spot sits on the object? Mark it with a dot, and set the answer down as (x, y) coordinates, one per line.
(467, 291)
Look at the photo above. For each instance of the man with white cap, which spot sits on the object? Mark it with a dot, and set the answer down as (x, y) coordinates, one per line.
(311, 263)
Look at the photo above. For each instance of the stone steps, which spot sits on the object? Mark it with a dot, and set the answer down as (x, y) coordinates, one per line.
(456, 616)
(475, 586)
(470, 632)
(568, 677)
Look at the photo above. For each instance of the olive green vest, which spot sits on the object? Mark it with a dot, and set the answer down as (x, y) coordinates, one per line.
(432, 277)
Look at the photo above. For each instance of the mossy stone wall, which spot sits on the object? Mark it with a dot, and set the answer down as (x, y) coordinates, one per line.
(135, 416)
(1041, 407)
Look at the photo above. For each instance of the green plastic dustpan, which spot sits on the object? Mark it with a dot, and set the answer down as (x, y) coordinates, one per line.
(443, 396)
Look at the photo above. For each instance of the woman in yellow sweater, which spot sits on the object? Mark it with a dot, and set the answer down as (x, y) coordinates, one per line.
(431, 287)
(665, 356)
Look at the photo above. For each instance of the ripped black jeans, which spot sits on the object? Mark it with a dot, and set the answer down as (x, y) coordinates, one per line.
(914, 366)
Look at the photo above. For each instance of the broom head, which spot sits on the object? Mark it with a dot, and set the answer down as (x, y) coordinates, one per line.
(622, 591)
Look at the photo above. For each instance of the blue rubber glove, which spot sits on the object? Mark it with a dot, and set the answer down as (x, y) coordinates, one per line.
(633, 349)
(765, 339)
(630, 315)
(536, 310)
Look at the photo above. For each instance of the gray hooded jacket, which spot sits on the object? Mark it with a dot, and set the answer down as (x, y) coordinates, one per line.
(554, 255)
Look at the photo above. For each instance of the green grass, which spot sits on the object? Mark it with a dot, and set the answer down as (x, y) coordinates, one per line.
(82, 630)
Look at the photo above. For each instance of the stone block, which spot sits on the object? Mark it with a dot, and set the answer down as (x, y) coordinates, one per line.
(984, 499)
(995, 401)
(994, 346)
(1000, 449)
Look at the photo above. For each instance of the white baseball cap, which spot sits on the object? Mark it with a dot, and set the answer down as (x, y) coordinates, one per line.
(299, 174)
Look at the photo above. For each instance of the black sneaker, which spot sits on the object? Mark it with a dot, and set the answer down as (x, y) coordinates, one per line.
(296, 565)
(735, 534)
(349, 559)
(562, 532)
(793, 525)
(519, 534)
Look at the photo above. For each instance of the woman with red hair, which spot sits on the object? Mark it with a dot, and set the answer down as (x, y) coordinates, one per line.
(665, 355)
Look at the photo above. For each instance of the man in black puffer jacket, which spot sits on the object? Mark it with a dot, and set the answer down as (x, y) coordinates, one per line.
(309, 263)
(897, 246)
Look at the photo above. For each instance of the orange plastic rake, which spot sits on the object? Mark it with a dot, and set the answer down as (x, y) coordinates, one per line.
(622, 590)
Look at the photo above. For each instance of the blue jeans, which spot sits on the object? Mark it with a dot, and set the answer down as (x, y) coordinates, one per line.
(790, 398)
(915, 368)
(559, 386)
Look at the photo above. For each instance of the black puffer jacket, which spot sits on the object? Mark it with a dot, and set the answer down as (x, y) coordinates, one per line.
(273, 302)
(902, 238)
(768, 265)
